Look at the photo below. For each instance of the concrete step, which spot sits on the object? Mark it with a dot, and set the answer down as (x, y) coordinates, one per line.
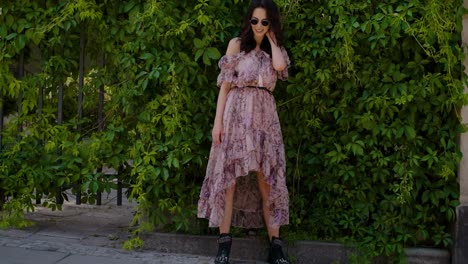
(255, 250)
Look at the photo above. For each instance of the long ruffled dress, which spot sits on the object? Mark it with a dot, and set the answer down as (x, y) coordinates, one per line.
(252, 142)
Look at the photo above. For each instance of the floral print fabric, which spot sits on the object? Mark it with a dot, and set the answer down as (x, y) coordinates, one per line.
(252, 142)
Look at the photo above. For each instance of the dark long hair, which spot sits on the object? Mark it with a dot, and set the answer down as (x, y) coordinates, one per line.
(247, 37)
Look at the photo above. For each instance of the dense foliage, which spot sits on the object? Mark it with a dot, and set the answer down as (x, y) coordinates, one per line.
(369, 114)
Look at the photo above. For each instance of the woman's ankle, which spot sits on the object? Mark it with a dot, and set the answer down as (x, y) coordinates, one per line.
(224, 237)
(276, 255)
(224, 248)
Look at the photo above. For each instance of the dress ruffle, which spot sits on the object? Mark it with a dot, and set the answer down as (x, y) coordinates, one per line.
(227, 65)
(242, 69)
(247, 202)
(284, 74)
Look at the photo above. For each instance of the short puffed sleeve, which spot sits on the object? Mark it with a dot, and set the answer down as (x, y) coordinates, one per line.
(283, 75)
(227, 65)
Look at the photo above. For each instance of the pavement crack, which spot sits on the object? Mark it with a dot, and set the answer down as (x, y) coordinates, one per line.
(64, 257)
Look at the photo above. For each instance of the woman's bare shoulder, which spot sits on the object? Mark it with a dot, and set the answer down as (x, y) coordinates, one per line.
(234, 46)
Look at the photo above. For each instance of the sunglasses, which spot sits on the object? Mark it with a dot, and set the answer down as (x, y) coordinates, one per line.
(254, 21)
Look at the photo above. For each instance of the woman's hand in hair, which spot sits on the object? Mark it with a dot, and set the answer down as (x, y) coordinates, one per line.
(279, 63)
(272, 38)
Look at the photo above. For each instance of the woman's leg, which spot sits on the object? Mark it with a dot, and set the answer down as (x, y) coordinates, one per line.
(265, 191)
(225, 238)
(225, 226)
(276, 254)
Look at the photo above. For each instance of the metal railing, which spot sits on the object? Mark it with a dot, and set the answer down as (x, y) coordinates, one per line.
(19, 73)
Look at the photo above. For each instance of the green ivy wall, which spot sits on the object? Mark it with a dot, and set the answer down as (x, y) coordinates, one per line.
(369, 114)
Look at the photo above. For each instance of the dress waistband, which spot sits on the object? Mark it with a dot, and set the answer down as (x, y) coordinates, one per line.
(258, 87)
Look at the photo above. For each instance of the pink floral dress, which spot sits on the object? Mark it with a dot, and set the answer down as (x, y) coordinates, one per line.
(252, 141)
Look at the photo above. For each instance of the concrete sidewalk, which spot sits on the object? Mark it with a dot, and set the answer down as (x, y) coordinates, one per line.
(29, 250)
(81, 234)
(93, 234)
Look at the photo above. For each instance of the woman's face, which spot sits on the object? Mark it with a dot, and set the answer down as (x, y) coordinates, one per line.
(259, 22)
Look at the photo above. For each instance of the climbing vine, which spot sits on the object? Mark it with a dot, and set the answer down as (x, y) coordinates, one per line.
(369, 114)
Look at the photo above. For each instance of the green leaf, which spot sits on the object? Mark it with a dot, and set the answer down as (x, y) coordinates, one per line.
(175, 163)
(21, 41)
(60, 181)
(129, 6)
(198, 43)
(94, 186)
(410, 132)
(213, 53)
(3, 31)
(184, 57)
(11, 36)
(165, 174)
(206, 59)
(147, 56)
(85, 186)
(198, 54)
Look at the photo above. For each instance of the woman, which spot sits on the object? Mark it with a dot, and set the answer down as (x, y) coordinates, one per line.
(247, 149)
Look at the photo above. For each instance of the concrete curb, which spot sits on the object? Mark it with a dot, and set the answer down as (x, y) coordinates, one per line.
(256, 250)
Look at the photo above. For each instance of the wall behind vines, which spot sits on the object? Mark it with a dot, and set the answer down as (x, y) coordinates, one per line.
(369, 115)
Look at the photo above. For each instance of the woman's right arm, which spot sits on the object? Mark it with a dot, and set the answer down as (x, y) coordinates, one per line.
(217, 133)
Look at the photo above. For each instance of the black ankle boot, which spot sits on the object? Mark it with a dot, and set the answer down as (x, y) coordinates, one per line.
(276, 255)
(224, 248)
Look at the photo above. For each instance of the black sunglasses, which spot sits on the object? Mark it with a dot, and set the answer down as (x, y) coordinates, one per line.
(254, 21)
